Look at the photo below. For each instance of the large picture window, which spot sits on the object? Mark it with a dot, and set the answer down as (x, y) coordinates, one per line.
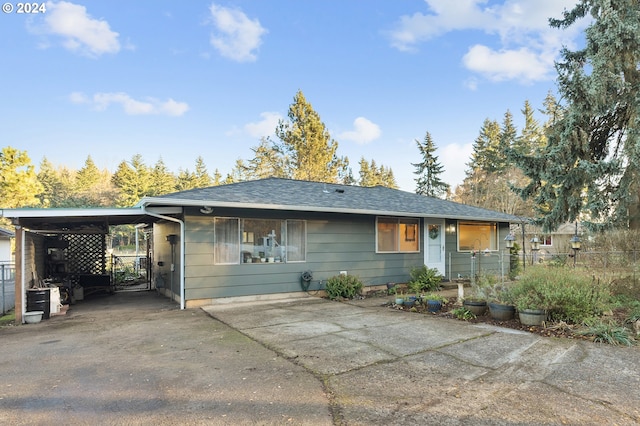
(477, 236)
(259, 241)
(397, 235)
(226, 240)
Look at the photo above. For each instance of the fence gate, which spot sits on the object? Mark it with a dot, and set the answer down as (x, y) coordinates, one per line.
(131, 272)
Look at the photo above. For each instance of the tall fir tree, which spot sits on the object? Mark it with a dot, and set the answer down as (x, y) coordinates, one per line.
(428, 171)
(203, 179)
(373, 175)
(591, 163)
(162, 180)
(133, 181)
(308, 151)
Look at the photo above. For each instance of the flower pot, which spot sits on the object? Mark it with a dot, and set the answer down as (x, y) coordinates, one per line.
(477, 307)
(33, 317)
(434, 305)
(532, 316)
(399, 300)
(501, 312)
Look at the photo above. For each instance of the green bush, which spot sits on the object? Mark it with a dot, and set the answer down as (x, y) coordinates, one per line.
(565, 293)
(608, 332)
(343, 286)
(424, 279)
(463, 313)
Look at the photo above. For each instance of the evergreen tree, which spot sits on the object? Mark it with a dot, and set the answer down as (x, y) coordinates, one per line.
(474, 188)
(373, 175)
(429, 170)
(267, 162)
(203, 180)
(19, 185)
(217, 178)
(532, 138)
(186, 180)
(48, 179)
(591, 162)
(133, 181)
(162, 180)
(88, 176)
(309, 152)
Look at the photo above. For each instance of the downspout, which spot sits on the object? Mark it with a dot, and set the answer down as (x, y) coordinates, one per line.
(182, 256)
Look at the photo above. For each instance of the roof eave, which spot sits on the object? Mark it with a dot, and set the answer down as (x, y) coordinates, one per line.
(150, 201)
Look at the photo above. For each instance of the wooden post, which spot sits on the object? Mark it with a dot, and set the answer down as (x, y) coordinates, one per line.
(19, 289)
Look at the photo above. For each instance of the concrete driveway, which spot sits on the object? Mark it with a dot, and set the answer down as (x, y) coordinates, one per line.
(383, 366)
(136, 359)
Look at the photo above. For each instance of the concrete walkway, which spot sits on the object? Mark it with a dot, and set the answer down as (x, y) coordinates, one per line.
(385, 367)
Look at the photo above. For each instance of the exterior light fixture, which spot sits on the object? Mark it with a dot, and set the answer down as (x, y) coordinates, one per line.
(510, 240)
(535, 244)
(575, 245)
(575, 242)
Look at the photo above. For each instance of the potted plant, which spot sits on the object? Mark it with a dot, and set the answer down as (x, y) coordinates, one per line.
(501, 305)
(529, 302)
(399, 298)
(481, 291)
(434, 301)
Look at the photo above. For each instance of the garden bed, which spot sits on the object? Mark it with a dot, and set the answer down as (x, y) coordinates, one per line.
(549, 329)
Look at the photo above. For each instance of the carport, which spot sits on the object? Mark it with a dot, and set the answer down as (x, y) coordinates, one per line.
(41, 233)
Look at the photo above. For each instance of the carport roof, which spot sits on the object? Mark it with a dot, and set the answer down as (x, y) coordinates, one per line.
(81, 219)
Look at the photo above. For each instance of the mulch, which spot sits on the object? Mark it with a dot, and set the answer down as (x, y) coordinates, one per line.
(549, 329)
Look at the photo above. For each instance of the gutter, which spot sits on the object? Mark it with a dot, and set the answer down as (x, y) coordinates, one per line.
(322, 209)
(182, 253)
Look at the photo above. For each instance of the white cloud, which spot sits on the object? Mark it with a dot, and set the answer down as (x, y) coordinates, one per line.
(364, 131)
(235, 36)
(521, 28)
(454, 169)
(264, 127)
(78, 30)
(150, 106)
(521, 64)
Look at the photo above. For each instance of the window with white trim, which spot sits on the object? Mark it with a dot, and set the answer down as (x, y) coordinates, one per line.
(397, 235)
(259, 241)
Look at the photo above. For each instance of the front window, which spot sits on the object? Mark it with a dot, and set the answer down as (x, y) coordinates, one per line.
(397, 235)
(477, 236)
(259, 241)
(226, 240)
(545, 240)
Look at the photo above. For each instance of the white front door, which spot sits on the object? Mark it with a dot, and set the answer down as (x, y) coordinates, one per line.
(434, 245)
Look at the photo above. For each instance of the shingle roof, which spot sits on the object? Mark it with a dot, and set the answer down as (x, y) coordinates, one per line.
(287, 194)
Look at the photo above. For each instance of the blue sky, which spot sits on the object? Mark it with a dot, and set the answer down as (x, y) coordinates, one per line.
(177, 80)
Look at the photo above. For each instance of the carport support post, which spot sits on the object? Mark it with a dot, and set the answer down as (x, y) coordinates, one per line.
(19, 282)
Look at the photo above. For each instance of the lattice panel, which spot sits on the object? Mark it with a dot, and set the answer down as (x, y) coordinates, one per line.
(86, 253)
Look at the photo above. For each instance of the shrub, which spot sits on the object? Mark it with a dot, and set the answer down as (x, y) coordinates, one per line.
(514, 261)
(424, 279)
(565, 293)
(343, 286)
